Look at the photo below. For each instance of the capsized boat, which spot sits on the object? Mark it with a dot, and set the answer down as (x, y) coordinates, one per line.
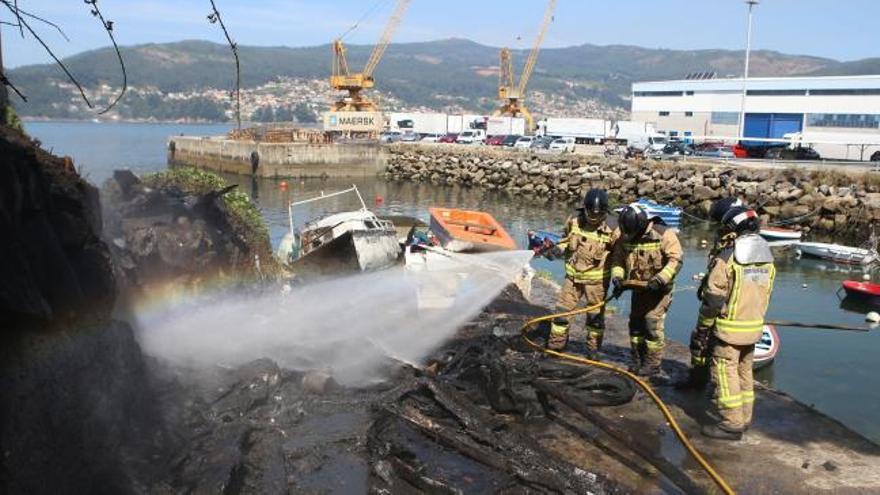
(772, 234)
(836, 252)
(669, 214)
(857, 289)
(469, 231)
(766, 348)
(344, 242)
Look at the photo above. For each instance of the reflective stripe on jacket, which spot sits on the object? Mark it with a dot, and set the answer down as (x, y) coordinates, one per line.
(657, 253)
(736, 299)
(587, 251)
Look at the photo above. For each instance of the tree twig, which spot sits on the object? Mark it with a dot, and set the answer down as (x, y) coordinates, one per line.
(214, 17)
(43, 20)
(6, 82)
(58, 61)
(108, 26)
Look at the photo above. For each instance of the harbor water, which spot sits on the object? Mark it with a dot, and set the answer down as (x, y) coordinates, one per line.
(831, 370)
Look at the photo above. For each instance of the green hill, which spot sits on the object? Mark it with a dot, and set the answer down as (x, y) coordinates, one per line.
(414, 73)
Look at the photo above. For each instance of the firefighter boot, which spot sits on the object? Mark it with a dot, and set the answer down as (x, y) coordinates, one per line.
(558, 338)
(636, 353)
(595, 333)
(651, 362)
(721, 433)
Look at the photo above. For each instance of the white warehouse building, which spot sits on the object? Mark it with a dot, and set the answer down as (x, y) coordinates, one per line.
(838, 116)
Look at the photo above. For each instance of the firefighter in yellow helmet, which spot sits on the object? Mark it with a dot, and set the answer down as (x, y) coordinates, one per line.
(734, 303)
(650, 253)
(587, 243)
(698, 374)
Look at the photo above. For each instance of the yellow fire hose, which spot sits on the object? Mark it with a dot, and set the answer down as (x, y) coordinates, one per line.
(722, 484)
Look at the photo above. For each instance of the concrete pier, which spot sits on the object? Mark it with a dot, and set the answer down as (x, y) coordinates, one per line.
(281, 160)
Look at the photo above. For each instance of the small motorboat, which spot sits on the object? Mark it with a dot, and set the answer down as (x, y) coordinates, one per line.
(857, 289)
(836, 252)
(669, 214)
(344, 242)
(766, 348)
(773, 234)
(469, 231)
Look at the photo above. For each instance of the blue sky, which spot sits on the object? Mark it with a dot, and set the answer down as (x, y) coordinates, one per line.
(845, 29)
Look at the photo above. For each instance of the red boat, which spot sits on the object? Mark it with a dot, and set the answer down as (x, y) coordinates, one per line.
(864, 290)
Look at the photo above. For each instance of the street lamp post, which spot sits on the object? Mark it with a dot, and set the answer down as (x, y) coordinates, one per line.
(742, 103)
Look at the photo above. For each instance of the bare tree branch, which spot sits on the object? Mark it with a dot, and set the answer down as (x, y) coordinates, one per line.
(108, 26)
(58, 61)
(45, 21)
(6, 82)
(213, 18)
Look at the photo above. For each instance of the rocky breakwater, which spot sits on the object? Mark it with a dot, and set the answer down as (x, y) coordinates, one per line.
(827, 201)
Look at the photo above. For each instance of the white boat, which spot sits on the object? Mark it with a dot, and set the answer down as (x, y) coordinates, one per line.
(836, 252)
(780, 234)
(766, 348)
(348, 241)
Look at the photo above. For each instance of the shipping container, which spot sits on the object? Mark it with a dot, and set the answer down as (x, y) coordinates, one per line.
(353, 121)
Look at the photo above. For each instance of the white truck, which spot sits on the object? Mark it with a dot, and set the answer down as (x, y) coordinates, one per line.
(472, 136)
(503, 126)
(638, 135)
(459, 123)
(584, 131)
(418, 123)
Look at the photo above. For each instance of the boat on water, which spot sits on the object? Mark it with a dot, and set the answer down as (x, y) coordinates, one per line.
(343, 242)
(774, 234)
(469, 231)
(766, 348)
(836, 252)
(670, 215)
(865, 291)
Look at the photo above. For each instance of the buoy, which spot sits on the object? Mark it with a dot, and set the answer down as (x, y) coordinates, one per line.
(873, 317)
(379, 200)
(804, 286)
(282, 185)
(866, 277)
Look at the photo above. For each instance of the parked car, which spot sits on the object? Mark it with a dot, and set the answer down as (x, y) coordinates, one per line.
(798, 153)
(524, 142)
(875, 157)
(563, 145)
(678, 148)
(390, 136)
(510, 140)
(472, 136)
(542, 142)
(409, 137)
(431, 138)
(494, 140)
(448, 138)
(715, 150)
(740, 151)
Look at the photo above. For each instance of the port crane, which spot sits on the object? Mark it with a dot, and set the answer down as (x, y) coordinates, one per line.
(512, 95)
(355, 82)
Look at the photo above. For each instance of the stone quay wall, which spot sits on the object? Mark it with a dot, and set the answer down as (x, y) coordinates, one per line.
(829, 201)
(277, 160)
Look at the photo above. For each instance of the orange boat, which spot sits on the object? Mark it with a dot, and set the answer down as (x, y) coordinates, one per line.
(465, 230)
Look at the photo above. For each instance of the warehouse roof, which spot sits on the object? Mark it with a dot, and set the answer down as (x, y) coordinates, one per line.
(762, 83)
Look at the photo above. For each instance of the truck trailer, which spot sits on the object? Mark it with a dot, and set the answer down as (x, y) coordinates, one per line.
(504, 126)
(584, 131)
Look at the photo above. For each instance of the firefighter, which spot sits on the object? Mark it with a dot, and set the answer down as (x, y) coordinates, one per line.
(734, 303)
(650, 253)
(587, 243)
(698, 374)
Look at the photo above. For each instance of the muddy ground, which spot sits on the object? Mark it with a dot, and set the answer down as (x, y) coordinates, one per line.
(487, 415)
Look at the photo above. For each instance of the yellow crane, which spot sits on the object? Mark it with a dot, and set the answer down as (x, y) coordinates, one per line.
(512, 96)
(356, 82)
